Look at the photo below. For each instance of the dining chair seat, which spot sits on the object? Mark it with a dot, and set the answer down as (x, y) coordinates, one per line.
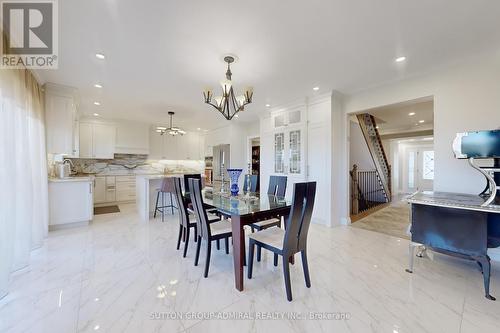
(272, 237)
(221, 227)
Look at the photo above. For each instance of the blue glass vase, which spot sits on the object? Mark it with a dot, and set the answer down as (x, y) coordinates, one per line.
(234, 175)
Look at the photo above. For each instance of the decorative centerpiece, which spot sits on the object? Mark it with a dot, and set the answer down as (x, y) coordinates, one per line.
(234, 174)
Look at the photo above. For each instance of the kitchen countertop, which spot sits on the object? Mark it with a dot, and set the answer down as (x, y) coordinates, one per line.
(71, 179)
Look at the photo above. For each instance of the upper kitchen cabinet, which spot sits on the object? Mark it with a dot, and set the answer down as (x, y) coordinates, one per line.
(97, 140)
(180, 147)
(132, 138)
(61, 120)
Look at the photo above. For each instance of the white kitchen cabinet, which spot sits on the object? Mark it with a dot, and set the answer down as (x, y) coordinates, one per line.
(61, 120)
(86, 148)
(180, 147)
(125, 188)
(110, 189)
(70, 201)
(97, 140)
(99, 190)
(132, 138)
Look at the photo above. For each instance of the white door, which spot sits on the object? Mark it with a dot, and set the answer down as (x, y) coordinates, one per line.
(420, 169)
(86, 150)
(103, 138)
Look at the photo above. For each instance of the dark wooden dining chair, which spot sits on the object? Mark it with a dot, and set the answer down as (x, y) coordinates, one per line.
(292, 240)
(277, 186)
(254, 183)
(207, 231)
(187, 220)
(187, 177)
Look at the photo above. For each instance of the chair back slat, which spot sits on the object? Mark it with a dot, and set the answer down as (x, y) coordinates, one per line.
(277, 186)
(186, 180)
(253, 183)
(297, 226)
(181, 202)
(199, 209)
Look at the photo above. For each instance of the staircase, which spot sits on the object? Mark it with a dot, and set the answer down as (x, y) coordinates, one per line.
(372, 138)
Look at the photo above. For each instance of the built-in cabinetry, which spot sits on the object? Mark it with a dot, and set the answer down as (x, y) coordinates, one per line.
(61, 120)
(179, 147)
(70, 201)
(97, 140)
(283, 145)
(131, 138)
(113, 189)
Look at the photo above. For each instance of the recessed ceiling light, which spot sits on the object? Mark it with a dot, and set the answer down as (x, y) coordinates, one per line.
(97, 103)
(400, 59)
(100, 56)
(268, 105)
(198, 129)
(97, 85)
(316, 88)
(411, 114)
(96, 114)
(421, 121)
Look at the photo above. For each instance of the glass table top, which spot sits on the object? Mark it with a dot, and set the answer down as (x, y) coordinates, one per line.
(243, 204)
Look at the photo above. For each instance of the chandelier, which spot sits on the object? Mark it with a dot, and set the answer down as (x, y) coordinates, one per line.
(228, 104)
(170, 130)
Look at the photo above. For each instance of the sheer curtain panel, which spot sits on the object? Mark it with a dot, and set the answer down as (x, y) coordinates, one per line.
(23, 172)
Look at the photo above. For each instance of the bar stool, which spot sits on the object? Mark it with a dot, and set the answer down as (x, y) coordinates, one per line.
(167, 188)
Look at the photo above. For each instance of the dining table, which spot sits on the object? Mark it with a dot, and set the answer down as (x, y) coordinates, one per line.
(244, 209)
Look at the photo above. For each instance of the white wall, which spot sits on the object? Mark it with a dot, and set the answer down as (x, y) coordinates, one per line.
(465, 99)
(358, 150)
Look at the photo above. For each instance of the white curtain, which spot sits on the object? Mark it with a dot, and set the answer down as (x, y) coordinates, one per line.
(23, 172)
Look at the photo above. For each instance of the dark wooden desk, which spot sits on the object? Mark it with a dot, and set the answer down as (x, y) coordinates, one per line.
(243, 211)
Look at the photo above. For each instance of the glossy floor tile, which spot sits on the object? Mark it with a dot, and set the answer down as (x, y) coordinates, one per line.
(122, 275)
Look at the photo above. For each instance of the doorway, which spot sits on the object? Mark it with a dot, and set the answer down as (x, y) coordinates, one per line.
(253, 157)
(419, 169)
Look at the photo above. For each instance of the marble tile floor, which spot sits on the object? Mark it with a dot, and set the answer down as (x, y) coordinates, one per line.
(121, 275)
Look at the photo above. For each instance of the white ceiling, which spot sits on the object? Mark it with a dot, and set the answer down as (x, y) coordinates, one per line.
(393, 119)
(161, 54)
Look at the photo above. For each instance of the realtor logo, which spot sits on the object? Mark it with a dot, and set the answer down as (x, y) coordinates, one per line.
(30, 33)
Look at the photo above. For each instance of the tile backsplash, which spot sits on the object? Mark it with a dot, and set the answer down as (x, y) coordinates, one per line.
(136, 164)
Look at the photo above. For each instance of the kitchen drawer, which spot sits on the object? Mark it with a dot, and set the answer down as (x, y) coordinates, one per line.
(128, 195)
(120, 179)
(125, 186)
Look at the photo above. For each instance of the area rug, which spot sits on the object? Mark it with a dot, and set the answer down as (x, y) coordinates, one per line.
(106, 210)
(392, 220)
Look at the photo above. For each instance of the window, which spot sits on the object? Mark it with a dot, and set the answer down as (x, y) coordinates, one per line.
(428, 165)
